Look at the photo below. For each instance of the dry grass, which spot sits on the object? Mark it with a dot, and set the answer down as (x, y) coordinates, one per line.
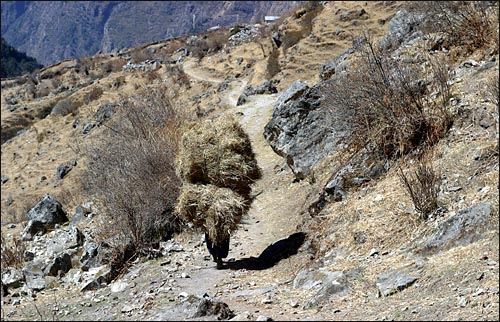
(217, 210)
(423, 188)
(218, 152)
(13, 254)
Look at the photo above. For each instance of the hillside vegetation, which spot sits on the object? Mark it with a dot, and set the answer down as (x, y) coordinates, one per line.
(15, 63)
(375, 195)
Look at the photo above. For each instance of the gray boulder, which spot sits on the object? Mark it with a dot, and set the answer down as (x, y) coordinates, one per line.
(266, 88)
(323, 283)
(67, 238)
(335, 65)
(303, 129)
(104, 113)
(45, 214)
(402, 28)
(59, 265)
(12, 278)
(461, 229)
(390, 283)
(96, 278)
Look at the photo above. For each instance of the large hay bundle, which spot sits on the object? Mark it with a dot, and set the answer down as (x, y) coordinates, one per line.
(218, 210)
(218, 152)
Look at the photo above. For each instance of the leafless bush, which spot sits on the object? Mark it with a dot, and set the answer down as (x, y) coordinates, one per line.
(65, 107)
(472, 24)
(423, 188)
(492, 89)
(140, 55)
(92, 95)
(178, 75)
(131, 169)
(13, 254)
(386, 103)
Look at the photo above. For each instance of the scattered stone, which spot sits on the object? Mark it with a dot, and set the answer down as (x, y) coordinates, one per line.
(45, 214)
(326, 284)
(460, 229)
(59, 265)
(104, 113)
(264, 318)
(118, 286)
(390, 283)
(65, 239)
(12, 278)
(462, 302)
(373, 252)
(478, 292)
(243, 316)
(62, 171)
(267, 300)
(87, 127)
(127, 308)
(9, 201)
(4, 179)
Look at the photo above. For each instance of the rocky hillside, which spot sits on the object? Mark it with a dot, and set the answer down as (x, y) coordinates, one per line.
(376, 130)
(56, 30)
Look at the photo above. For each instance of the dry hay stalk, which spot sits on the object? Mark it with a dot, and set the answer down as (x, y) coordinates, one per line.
(218, 152)
(217, 210)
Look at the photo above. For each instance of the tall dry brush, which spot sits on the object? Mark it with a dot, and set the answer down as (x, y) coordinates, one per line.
(131, 168)
(386, 101)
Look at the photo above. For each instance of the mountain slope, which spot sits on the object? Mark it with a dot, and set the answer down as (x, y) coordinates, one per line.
(56, 30)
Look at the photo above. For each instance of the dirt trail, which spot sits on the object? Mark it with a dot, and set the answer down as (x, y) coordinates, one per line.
(274, 213)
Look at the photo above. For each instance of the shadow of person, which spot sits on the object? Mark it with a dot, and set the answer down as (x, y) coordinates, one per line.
(275, 252)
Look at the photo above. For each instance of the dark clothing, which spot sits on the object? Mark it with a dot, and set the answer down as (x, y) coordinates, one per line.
(217, 250)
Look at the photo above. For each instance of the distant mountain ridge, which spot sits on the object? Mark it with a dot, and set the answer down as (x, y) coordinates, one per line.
(51, 31)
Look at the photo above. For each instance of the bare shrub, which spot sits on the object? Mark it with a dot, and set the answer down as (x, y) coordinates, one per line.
(423, 188)
(65, 107)
(93, 94)
(13, 253)
(178, 75)
(131, 169)
(492, 90)
(385, 102)
(140, 55)
(467, 23)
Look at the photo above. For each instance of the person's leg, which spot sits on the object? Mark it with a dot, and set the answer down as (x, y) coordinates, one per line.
(211, 247)
(221, 251)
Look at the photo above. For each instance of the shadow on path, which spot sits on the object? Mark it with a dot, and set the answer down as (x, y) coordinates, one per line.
(275, 252)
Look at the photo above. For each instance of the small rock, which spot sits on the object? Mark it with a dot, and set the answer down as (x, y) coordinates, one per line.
(462, 302)
(267, 300)
(264, 318)
(4, 179)
(183, 294)
(373, 252)
(378, 198)
(478, 292)
(126, 309)
(184, 275)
